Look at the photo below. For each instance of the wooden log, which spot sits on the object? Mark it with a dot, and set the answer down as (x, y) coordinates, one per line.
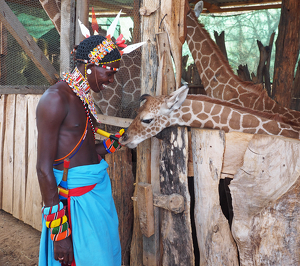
(17, 30)
(33, 198)
(220, 41)
(266, 70)
(173, 202)
(151, 245)
(176, 232)
(295, 105)
(173, 16)
(265, 197)
(122, 182)
(287, 51)
(2, 126)
(8, 154)
(145, 207)
(243, 72)
(215, 241)
(20, 157)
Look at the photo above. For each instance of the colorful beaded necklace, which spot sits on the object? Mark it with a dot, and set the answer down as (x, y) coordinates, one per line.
(81, 88)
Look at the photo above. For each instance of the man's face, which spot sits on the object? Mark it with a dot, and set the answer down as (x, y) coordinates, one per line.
(101, 77)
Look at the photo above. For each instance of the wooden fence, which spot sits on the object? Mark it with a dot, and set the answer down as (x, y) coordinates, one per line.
(19, 194)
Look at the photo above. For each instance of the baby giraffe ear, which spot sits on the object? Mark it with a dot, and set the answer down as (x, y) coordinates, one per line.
(174, 101)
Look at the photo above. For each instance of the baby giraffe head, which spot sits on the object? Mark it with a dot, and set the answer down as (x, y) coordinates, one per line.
(153, 116)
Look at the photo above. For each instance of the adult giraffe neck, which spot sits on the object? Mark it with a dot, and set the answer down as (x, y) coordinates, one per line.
(219, 80)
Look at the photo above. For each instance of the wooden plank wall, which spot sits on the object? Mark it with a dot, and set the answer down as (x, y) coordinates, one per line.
(19, 189)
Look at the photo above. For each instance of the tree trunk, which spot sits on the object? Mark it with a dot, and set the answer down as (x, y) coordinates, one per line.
(287, 49)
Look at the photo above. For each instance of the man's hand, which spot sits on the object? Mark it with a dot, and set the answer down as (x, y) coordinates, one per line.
(63, 251)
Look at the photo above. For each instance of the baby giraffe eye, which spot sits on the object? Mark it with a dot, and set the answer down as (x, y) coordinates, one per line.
(147, 121)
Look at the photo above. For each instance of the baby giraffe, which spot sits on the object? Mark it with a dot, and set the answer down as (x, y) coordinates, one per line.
(181, 109)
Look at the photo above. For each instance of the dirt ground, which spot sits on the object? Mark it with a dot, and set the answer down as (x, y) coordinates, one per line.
(19, 242)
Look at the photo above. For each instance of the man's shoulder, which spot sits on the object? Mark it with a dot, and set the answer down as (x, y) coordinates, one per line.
(60, 91)
(56, 96)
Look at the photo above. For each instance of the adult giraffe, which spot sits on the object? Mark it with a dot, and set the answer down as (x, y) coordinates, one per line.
(219, 80)
(201, 111)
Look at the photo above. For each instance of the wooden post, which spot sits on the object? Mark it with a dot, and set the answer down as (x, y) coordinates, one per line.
(122, 179)
(148, 82)
(82, 13)
(216, 244)
(173, 17)
(165, 76)
(287, 51)
(176, 228)
(145, 207)
(67, 34)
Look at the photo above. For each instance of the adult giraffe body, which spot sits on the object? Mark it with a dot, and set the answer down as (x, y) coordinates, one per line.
(201, 111)
(219, 80)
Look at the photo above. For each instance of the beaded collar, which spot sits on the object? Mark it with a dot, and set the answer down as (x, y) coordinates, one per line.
(81, 88)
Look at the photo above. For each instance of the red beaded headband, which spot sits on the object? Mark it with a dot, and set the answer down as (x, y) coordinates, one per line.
(110, 68)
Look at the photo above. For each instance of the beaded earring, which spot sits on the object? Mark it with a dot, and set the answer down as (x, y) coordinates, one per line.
(89, 71)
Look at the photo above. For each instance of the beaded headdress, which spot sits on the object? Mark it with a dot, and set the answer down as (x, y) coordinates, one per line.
(101, 50)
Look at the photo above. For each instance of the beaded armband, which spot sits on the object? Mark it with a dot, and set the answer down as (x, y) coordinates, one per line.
(61, 236)
(53, 209)
(57, 221)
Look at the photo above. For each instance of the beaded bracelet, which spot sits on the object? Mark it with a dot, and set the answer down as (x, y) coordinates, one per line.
(59, 229)
(53, 209)
(54, 216)
(61, 236)
(111, 145)
(57, 222)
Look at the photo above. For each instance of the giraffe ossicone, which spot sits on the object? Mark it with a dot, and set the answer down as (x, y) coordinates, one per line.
(200, 111)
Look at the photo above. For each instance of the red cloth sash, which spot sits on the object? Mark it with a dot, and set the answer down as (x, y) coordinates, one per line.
(76, 192)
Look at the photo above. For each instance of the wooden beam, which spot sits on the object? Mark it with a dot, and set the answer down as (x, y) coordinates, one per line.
(221, 9)
(115, 121)
(30, 89)
(16, 29)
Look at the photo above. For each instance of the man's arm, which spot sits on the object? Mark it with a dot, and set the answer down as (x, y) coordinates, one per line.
(50, 114)
(51, 111)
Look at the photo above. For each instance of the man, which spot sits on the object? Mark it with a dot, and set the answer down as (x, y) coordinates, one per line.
(85, 233)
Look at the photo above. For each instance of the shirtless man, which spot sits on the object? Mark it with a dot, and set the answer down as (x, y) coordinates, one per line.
(87, 230)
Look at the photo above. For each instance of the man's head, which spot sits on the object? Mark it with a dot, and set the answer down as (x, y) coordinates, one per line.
(100, 58)
(97, 50)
